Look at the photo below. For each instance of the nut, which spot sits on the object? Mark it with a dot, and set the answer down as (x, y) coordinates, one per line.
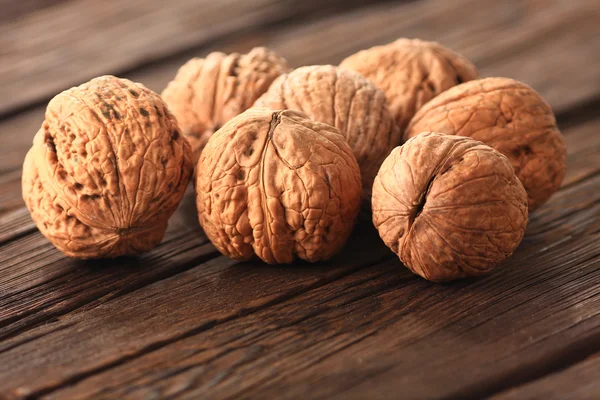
(107, 169)
(411, 72)
(510, 117)
(207, 92)
(277, 185)
(343, 99)
(449, 206)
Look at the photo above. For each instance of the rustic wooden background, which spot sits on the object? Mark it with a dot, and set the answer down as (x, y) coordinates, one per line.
(185, 322)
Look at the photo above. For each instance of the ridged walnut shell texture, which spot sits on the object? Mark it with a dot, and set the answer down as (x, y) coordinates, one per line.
(107, 169)
(343, 99)
(277, 185)
(449, 206)
(411, 72)
(207, 92)
(512, 118)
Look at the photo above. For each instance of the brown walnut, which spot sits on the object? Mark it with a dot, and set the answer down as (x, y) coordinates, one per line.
(107, 169)
(411, 72)
(277, 185)
(449, 206)
(512, 118)
(343, 99)
(207, 92)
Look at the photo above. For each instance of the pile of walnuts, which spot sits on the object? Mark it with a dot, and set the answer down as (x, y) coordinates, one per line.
(283, 160)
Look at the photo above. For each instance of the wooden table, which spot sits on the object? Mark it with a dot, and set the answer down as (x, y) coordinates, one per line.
(185, 322)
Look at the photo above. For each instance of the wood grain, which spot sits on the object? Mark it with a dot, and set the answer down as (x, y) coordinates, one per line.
(377, 322)
(579, 382)
(10, 197)
(52, 49)
(174, 309)
(41, 268)
(16, 224)
(37, 283)
(180, 306)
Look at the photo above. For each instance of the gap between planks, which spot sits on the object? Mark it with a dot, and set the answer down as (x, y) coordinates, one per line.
(384, 286)
(579, 381)
(540, 247)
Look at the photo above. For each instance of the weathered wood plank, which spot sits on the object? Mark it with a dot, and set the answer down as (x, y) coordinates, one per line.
(199, 298)
(583, 152)
(73, 41)
(37, 282)
(230, 289)
(72, 286)
(378, 328)
(17, 132)
(16, 224)
(579, 382)
(536, 331)
(10, 196)
(579, 140)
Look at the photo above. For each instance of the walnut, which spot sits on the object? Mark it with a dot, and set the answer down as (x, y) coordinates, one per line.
(207, 92)
(411, 72)
(510, 117)
(346, 100)
(449, 206)
(106, 170)
(277, 185)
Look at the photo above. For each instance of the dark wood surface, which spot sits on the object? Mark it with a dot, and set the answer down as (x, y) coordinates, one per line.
(185, 322)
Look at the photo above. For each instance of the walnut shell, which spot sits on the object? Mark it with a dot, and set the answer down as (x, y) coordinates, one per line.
(449, 206)
(411, 72)
(207, 92)
(277, 185)
(107, 169)
(512, 118)
(346, 100)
